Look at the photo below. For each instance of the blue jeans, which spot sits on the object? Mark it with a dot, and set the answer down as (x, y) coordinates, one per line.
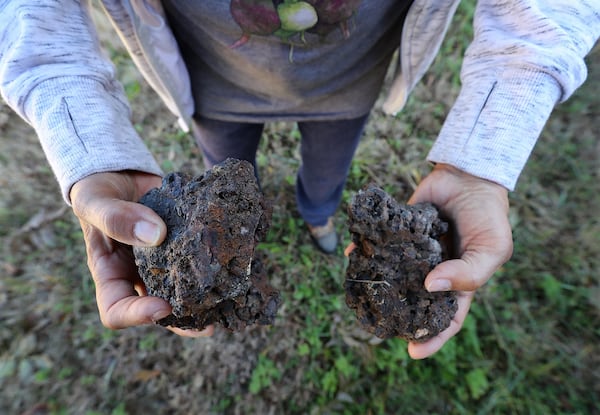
(327, 149)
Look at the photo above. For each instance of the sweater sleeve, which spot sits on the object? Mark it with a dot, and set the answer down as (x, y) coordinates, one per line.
(526, 56)
(55, 76)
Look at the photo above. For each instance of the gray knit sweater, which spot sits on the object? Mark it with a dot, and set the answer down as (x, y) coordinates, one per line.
(526, 56)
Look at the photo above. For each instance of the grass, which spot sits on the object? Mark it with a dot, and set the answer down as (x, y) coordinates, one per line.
(529, 345)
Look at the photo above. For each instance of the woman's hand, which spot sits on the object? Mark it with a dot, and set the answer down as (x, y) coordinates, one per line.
(111, 222)
(477, 210)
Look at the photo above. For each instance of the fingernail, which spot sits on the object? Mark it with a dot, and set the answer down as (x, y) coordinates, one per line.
(439, 285)
(147, 232)
(160, 314)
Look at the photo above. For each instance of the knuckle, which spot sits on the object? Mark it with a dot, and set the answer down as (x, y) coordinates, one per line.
(109, 324)
(506, 246)
(109, 321)
(80, 209)
(478, 281)
(91, 264)
(112, 221)
(108, 220)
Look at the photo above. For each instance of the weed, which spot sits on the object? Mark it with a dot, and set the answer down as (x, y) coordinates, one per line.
(264, 374)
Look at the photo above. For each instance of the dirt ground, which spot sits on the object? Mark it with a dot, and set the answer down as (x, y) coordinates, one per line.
(55, 357)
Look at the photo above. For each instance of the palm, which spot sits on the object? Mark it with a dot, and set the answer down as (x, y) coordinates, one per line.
(477, 210)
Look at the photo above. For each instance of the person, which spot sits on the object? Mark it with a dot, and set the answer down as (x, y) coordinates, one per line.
(224, 68)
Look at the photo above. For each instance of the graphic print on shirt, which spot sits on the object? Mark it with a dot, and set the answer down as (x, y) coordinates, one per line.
(288, 18)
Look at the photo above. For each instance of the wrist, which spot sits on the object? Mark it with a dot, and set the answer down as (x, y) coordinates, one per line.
(455, 174)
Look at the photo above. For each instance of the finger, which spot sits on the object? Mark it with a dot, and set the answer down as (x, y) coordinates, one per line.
(467, 273)
(118, 285)
(106, 201)
(207, 332)
(132, 311)
(349, 249)
(119, 304)
(120, 293)
(127, 222)
(420, 196)
(431, 346)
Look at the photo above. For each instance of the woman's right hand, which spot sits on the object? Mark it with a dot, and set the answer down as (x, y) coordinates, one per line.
(112, 222)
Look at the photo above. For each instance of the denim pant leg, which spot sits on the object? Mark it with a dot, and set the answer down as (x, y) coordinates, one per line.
(327, 150)
(219, 140)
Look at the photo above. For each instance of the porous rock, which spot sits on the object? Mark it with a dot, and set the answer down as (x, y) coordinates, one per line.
(396, 247)
(207, 267)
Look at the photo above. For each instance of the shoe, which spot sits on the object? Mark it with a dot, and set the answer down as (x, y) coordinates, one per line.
(324, 236)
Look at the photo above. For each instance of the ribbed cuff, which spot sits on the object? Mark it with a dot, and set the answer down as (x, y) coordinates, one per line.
(84, 128)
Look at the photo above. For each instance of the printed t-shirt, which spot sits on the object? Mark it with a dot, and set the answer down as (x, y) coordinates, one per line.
(262, 60)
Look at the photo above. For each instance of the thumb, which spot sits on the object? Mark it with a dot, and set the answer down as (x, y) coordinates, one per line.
(99, 202)
(127, 222)
(467, 273)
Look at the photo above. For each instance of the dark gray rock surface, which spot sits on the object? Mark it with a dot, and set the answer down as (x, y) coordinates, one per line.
(207, 267)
